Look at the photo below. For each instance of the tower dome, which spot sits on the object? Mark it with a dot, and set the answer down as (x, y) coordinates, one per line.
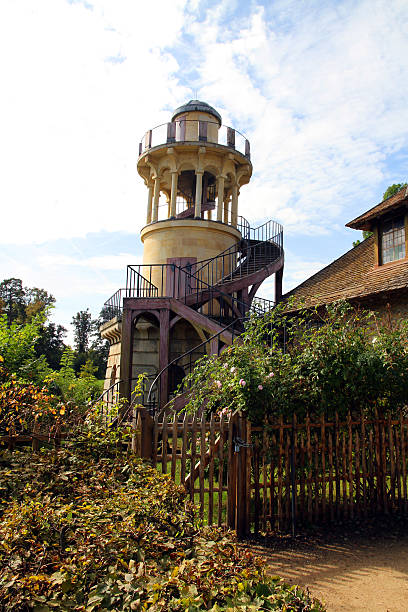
(197, 106)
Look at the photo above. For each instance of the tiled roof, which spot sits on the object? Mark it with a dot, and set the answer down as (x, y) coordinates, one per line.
(351, 276)
(363, 221)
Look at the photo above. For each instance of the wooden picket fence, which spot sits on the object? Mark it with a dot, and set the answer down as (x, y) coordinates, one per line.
(282, 475)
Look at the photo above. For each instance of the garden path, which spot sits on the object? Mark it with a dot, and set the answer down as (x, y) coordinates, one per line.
(353, 573)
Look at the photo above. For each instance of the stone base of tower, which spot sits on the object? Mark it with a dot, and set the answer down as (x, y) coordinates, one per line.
(145, 348)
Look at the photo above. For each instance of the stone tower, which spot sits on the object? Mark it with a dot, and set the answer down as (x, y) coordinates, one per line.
(202, 263)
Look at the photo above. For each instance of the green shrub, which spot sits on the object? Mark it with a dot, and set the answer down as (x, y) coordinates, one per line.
(17, 347)
(74, 390)
(80, 532)
(339, 360)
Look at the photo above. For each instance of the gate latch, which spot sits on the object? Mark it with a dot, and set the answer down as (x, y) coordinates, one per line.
(240, 443)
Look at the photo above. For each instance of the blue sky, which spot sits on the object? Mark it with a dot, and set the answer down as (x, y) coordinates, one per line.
(320, 88)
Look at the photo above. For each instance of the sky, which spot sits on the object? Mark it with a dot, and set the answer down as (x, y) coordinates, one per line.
(319, 87)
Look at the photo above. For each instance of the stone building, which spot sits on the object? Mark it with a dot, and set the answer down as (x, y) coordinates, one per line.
(202, 263)
(373, 274)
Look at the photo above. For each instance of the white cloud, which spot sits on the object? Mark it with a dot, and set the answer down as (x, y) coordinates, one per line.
(323, 91)
(320, 88)
(103, 262)
(70, 121)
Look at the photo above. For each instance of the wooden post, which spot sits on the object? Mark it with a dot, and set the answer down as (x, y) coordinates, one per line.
(142, 435)
(136, 432)
(278, 285)
(232, 474)
(126, 354)
(36, 442)
(242, 492)
(164, 317)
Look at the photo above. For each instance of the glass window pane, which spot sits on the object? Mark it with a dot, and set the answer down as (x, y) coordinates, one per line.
(393, 240)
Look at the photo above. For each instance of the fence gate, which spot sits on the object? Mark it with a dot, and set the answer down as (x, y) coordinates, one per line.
(281, 475)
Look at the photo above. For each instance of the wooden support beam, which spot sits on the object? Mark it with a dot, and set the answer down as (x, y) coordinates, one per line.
(164, 317)
(126, 353)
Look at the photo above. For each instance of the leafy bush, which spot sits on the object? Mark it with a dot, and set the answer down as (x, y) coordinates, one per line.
(17, 347)
(75, 390)
(343, 360)
(80, 532)
(22, 405)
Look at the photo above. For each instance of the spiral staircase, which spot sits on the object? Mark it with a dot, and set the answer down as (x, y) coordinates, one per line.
(217, 295)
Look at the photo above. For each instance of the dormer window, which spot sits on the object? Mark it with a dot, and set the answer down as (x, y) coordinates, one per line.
(392, 240)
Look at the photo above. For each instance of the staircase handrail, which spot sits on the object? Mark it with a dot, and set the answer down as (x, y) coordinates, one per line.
(191, 351)
(209, 340)
(272, 238)
(141, 281)
(236, 250)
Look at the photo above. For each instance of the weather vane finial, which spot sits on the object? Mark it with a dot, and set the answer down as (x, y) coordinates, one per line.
(195, 91)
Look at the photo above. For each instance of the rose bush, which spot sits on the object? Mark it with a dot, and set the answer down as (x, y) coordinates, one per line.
(337, 360)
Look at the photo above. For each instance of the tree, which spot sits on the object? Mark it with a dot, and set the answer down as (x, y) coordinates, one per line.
(393, 189)
(20, 303)
(37, 300)
(88, 343)
(50, 343)
(82, 323)
(12, 299)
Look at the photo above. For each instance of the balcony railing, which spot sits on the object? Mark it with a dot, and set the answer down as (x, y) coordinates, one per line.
(193, 130)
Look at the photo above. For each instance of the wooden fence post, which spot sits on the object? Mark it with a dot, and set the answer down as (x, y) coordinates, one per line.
(35, 443)
(142, 434)
(237, 476)
(232, 473)
(242, 492)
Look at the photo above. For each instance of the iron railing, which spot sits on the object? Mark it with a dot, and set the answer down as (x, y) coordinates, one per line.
(194, 130)
(186, 363)
(192, 290)
(109, 400)
(239, 261)
(199, 285)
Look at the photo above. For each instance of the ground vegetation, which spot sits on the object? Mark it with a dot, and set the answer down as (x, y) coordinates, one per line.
(86, 527)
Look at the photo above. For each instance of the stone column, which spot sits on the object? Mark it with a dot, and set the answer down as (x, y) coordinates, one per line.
(198, 193)
(220, 200)
(173, 196)
(156, 199)
(226, 206)
(234, 206)
(149, 204)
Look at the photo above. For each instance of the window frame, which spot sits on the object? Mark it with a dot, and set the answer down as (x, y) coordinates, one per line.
(395, 244)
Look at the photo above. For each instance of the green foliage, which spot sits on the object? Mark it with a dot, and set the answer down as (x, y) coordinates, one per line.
(88, 343)
(17, 347)
(90, 532)
(21, 304)
(82, 323)
(393, 189)
(366, 235)
(23, 405)
(75, 390)
(50, 344)
(339, 361)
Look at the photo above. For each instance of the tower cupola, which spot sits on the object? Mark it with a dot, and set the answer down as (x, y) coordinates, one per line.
(193, 168)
